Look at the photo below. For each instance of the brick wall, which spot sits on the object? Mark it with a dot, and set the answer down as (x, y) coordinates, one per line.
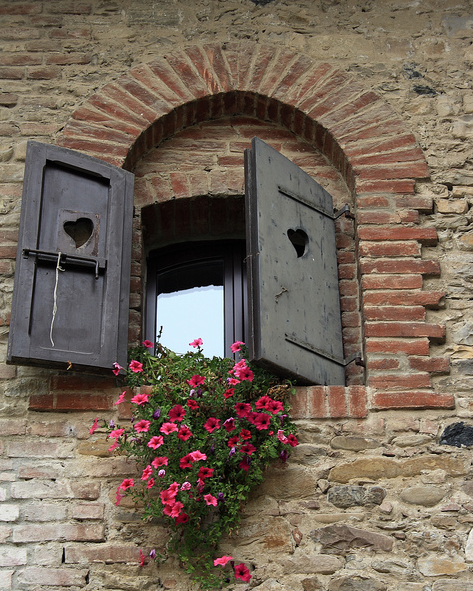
(372, 100)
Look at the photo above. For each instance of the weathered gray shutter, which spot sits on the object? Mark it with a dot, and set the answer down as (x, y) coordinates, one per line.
(71, 293)
(294, 304)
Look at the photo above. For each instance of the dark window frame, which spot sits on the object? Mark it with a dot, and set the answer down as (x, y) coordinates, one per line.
(232, 253)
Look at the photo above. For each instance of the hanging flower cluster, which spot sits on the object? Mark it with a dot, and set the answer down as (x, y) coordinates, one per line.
(203, 436)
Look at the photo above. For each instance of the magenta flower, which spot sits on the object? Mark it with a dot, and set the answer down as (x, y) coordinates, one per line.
(121, 398)
(147, 344)
(211, 424)
(142, 426)
(186, 485)
(195, 381)
(184, 433)
(222, 561)
(114, 445)
(281, 437)
(162, 473)
(196, 343)
(236, 346)
(116, 368)
(233, 381)
(142, 559)
(262, 421)
(150, 483)
(245, 434)
(262, 403)
(161, 461)
(275, 406)
(147, 473)
(177, 413)
(205, 472)
(229, 424)
(248, 448)
(244, 373)
(127, 483)
(155, 441)
(243, 465)
(140, 399)
(135, 366)
(242, 409)
(292, 440)
(241, 572)
(233, 441)
(229, 392)
(210, 500)
(192, 404)
(186, 461)
(182, 518)
(118, 497)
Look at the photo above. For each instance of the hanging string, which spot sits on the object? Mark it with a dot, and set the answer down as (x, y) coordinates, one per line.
(58, 268)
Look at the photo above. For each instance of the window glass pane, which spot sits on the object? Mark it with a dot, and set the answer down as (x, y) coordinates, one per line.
(187, 313)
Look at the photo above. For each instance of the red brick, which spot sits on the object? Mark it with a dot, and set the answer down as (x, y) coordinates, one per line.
(410, 347)
(413, 155)
(390, 144)
(400, 382)
(102, 149)
(370, 201)
(427, 236)
(21, 8)
(68, 33)
(127, 101)
(402, 313)
(389, 249)
(384, 217)
(431, 364)
(386, 363)
(20, 59)
(332, 88)
(424, 267)
(317, 402)
(186, 74)
(404, 400)
(357, 401)
(429, 299)
(337, 407)
(277, 70)
(12, 73)
(44, 73)
(391, 282)
(404, 329)
(385, 186)
(422, 204)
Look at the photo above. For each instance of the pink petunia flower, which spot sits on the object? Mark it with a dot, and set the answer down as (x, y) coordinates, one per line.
(155, 441)
(121, 398)
(197, 455)
(233, 441)
(186, 462)
(140, 399)
(211, 424)
(142, 426)
(168, 428)
(242, 409)
(262, 402)
(233, 381)
(292, 440)
(182, 518)
(262, 421)
(114, 445)
(150, 483)
(192, 404)
(241, 572)
(186, 485)
(142, 559)
(127, 483)
(245, 434)
(210, 500)
(245, 373)
(236, 346)
(275, 406)
(222, 561)
(229, 424)
(95, 426)
(177, 413)
(119, 496)
(228, 393)
(135, 366)
(116, 368)
(248, 448)
(196, 343)
(147, 473)
(147, 344)
(196, 380)
(161, 461)
(243, 465)
(281, 437)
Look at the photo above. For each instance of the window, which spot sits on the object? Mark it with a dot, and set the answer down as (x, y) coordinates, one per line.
(197, 289)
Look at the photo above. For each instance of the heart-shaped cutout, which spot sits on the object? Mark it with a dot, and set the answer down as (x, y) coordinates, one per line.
(80, 230)
(299, 241)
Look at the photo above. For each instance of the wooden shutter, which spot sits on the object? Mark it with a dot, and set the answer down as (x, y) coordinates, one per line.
(294, 303)
(71, 294)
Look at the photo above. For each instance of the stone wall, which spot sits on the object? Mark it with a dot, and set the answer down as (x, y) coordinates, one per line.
(374, 498)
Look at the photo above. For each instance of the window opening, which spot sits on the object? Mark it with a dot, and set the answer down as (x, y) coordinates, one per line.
(197, 289)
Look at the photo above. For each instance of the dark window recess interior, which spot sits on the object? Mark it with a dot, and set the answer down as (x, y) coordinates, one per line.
(200, 287)
(71, 292)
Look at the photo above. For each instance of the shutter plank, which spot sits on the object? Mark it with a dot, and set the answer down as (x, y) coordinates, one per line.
(295, 320)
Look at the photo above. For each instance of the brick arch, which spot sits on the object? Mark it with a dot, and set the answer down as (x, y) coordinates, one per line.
(361, 136)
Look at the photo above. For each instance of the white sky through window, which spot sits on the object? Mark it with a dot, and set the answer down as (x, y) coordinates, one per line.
(188, 314)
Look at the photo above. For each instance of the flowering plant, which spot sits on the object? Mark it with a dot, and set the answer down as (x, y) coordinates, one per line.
(202, 431)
